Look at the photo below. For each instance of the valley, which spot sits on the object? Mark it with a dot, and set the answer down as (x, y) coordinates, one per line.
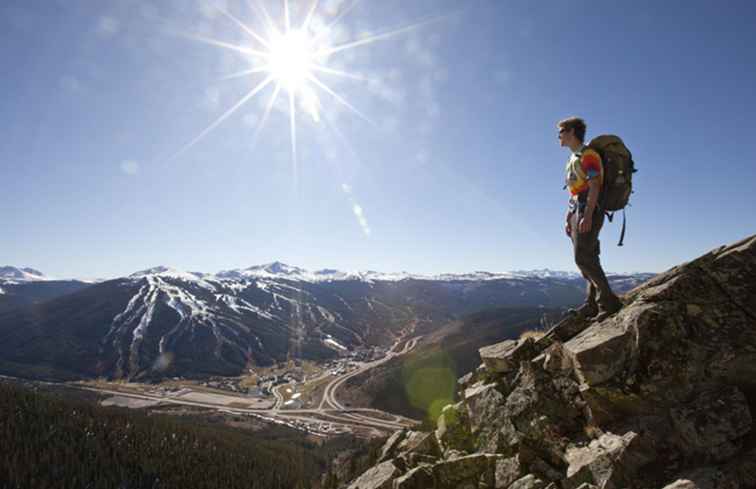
(324, 415)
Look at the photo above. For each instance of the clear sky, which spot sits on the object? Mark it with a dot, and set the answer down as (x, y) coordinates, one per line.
(457, 167)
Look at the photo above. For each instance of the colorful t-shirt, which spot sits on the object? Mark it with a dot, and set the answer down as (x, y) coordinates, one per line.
(582, 167)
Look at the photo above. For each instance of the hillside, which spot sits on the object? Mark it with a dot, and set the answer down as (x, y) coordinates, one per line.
(660, 395)
(416, 384)
(162, 323)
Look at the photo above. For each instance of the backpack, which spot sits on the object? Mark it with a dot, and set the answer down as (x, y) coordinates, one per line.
(618, 175)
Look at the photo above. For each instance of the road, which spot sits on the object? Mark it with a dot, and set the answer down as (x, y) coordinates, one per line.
(329, 410)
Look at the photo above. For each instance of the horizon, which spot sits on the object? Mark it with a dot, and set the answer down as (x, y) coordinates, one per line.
(423, 141)
(169, 268)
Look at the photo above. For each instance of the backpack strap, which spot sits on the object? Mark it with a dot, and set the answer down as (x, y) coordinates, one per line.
(622, 234)
(610, 217)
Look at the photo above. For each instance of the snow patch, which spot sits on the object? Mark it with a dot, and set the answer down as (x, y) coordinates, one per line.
(330, 341)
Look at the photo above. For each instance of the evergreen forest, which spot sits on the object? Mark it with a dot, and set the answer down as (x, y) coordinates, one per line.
(52, 441)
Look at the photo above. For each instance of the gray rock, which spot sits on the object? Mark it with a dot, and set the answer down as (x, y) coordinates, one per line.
(417, 459)
(562, 331)
(608, 402)
(389, 449)
(682, 484)
(469, 469)
(506, 471)
(739, 472)
(528, 482)
(603, 350)
(484, 403)
(669, 371)
(417, 478)
(688, 328)
(454, 430)
(556, 360)
(465, 381)
(611, 462)
(420, 443)
(507, 355)
(378, 477)
(544, 412)
(713, 424)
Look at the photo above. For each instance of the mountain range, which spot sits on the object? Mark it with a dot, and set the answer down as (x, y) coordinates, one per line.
(164, 322)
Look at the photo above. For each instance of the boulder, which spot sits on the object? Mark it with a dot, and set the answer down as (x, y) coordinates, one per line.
(685, 329)
(484, 403)
(492, 429)
(609, 462)
(453, 428)
(506, 356)
(565, 329)
(544, 412)
(606, 349)
(378, 477)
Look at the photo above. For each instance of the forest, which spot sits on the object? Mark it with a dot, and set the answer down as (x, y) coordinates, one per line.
(52, 441)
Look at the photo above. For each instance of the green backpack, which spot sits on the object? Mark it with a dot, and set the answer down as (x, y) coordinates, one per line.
(618, 175)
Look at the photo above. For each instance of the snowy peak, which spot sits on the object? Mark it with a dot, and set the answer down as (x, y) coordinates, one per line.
(279, 270)
(168, 272)
(276, 269)
(545, 273)
(14, 274)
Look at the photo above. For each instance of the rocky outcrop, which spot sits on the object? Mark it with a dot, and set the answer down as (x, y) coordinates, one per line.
(661, 394)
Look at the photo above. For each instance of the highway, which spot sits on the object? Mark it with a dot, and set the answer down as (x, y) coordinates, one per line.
(329, 410)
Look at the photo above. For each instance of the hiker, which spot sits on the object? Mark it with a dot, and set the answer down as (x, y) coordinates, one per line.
(585, 217)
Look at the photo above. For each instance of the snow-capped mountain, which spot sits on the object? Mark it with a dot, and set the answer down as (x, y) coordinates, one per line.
(165, 322)
(10, 274)
(284, 271)
(27, 286)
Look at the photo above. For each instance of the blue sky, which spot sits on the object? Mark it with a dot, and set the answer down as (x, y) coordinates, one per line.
(458, 169)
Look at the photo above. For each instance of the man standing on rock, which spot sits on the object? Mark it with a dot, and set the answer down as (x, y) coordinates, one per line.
(585, 217)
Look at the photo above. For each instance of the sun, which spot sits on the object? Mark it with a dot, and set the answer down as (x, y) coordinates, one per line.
(290, 59)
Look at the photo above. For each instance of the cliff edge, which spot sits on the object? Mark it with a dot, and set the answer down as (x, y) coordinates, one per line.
(661, 395)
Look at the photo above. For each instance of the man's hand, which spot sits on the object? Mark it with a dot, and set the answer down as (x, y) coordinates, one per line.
(585, 224)
(567, 225)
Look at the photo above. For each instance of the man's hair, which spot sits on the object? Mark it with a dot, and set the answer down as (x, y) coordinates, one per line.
(575, 123)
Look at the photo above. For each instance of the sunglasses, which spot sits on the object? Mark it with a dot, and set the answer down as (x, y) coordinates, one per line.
(562, 131)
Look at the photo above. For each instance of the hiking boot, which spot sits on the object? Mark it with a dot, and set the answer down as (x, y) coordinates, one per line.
(585, 311)
(605, 312)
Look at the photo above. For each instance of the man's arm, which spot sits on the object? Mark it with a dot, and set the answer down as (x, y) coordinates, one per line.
(586, 222)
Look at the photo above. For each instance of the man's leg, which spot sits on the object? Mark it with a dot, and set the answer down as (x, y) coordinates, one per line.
(587, 250)
(590, 307)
